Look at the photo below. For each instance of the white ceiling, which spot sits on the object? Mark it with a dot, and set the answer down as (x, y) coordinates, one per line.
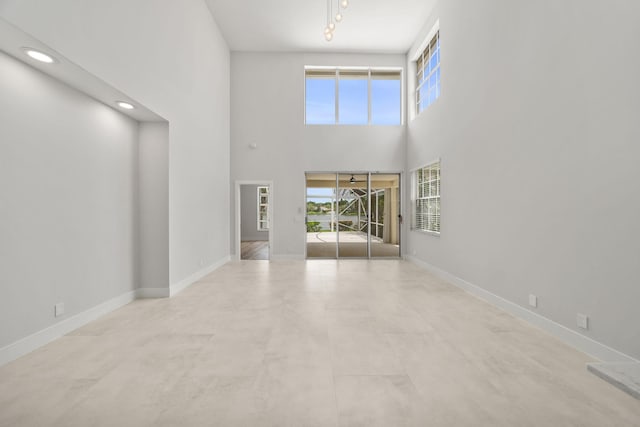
(13, 39)
(381, 26)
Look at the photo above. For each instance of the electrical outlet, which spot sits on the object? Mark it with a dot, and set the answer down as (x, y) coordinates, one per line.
(583, 321)
(58, 309)
(533, 300)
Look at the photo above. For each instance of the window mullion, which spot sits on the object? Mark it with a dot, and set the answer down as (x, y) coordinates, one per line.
(337, 97)
(357, 86)
(369, 97)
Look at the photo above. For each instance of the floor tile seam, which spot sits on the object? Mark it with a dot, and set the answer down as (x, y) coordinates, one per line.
(372, 375)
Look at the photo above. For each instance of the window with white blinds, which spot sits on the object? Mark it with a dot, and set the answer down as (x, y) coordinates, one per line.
(428, 74)
(353, 96)
(426, 198)
(263, 208)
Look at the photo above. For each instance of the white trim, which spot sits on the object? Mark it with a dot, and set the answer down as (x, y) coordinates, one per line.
(41, 338)
(188, 281)
(34, 341)
(404, 113)
(144, 293)
(350, 68)
(287, 257)
(574, 339)
(426, 41)
(437, 160)
(238, 215)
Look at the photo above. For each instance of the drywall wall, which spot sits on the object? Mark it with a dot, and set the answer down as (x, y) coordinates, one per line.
(68, 208)
(153, 197)
(249, 215)
(170, 57)
(269, 112)
(537, 129)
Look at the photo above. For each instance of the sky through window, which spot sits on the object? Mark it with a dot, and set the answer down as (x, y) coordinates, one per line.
(363, 97)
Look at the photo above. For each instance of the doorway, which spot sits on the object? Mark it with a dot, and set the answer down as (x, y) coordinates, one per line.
(353, 215)
(253, 220)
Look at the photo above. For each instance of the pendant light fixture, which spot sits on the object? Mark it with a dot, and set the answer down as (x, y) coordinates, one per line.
(332, 19)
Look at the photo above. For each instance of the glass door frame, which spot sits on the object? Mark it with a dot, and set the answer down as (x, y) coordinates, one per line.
(368, 219)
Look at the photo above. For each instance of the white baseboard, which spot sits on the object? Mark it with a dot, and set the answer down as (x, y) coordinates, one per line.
(188, 281)
(276, 257)
(32, 342)
(574, 339)
(143, 293)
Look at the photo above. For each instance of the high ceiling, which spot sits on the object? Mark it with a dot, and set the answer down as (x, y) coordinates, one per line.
(381, 26)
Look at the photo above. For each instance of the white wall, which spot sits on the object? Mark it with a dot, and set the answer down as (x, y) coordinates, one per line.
(249, 215)
(537, 128)
(268, 110)
(169, 56)
(153, 199)
(68, 205)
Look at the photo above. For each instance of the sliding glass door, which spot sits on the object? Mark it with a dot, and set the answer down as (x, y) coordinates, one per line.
(321, 216)
(353, 215)
(385, 215)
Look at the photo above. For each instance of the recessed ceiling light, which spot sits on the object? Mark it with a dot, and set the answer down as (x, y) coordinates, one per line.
(125, 105)
(39, 56)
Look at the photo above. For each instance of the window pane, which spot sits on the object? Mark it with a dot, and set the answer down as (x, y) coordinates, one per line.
(320, 100)
(429, 63)
(432, 95)
(385, 102)
(432, 80)
(424, 95)
(353, 99)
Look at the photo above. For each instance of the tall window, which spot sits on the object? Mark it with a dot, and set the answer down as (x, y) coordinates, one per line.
(428, 75)
(426, 195)
(263, 208)
(353, 96)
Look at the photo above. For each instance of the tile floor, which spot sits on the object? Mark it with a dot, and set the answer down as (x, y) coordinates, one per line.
(317, 343)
